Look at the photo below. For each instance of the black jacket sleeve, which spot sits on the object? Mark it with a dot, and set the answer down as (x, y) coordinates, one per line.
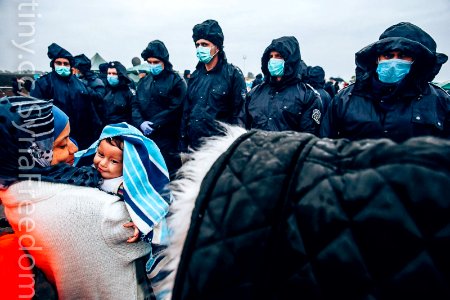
(173, 113)
(238, 88)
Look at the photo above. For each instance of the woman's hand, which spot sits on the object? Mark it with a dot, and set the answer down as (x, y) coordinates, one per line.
(135, 237)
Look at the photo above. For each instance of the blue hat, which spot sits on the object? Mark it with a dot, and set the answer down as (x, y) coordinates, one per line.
(60, 120)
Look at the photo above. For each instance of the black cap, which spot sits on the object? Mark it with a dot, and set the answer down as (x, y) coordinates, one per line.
(121, 71)
(82, 63)
(209, 30)
(55, 51)
(315, 76)
(156, 49)
(103, 68)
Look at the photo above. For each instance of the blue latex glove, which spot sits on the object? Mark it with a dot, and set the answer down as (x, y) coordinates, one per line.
(146, 127)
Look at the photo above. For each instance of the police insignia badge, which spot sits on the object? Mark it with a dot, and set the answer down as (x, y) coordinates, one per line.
(316, 115)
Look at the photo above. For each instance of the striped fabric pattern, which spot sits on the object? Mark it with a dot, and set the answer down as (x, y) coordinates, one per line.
(38, 123)
(145, 178)
(37, 117)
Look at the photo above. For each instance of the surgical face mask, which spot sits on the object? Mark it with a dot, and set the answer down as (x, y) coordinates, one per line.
(204, 54)
(155, 69)
(393, 70)
(62, 70)
(276, 67)
(113, 79)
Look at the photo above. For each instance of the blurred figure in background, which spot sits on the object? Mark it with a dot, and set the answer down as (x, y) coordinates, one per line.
(15, 86)
(258, 80)
(138, 70)
(316, 78)
(103, 73)
(186, 75)
(82, 70)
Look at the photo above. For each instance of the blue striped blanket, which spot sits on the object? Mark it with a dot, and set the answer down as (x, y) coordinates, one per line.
(145, 177)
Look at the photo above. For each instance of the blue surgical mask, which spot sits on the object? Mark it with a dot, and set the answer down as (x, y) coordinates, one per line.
(113, 79)
(155, 69)
(62, 70)
(276, 67)
(393, 70)
(204, 54)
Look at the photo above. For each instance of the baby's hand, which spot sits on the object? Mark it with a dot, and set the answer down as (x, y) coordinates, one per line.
(135, 236)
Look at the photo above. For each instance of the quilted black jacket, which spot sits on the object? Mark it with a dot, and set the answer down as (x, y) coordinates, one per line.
(285, 215)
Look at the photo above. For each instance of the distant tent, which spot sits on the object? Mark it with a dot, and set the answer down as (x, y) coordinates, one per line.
(96, 60)
(444, 85)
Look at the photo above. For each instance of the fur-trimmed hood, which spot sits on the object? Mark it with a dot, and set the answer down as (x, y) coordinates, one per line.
(185, 190)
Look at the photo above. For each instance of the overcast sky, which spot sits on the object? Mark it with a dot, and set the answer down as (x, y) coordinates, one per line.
(329, 31)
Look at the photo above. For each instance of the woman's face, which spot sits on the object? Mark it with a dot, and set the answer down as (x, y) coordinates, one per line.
(63, 148)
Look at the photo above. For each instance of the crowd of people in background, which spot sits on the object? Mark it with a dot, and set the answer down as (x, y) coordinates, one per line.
(391, 97)
(177, 112)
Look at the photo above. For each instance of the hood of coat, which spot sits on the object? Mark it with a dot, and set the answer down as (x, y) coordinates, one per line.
(289, 49)
(158, 50)
(409, 39)
(82, 63)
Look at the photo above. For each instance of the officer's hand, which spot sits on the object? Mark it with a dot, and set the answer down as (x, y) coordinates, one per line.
(146, 127)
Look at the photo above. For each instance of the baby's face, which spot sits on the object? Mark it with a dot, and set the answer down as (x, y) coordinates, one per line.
(108, 160)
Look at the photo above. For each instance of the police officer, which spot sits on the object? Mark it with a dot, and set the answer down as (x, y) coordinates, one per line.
(215, 90)
(158, 106)
(282, 101)
(69, 94)
(316, 78)
(119, 95)
(392, 97)
(82, 70)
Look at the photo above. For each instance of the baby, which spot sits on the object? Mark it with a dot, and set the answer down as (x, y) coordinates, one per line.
(108, 160)
(133, 168)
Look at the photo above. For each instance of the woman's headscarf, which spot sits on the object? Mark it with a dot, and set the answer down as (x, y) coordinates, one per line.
(60, 120)
(28, 128)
